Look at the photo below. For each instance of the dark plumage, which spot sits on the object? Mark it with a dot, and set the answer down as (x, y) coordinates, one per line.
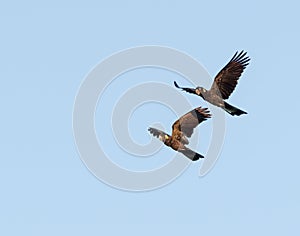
(181, 130)
(224, 84)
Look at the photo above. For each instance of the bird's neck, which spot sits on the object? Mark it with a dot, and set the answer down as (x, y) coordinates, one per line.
(203, 94)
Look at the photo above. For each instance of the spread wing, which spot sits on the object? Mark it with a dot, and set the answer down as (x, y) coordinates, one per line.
(158, 134)
(189, 90)
(184, 127)
(227, 79)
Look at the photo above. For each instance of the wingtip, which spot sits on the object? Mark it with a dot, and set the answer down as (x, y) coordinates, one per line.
(204, 111)
(241, 57)
(176, 85)
(150, 129)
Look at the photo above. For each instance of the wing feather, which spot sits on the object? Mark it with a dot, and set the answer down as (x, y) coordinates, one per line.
(158, 133)
(227, 79)
(185, 125)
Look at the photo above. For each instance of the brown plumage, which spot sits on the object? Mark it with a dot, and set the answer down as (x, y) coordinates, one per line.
(181, 130)
(224, 84)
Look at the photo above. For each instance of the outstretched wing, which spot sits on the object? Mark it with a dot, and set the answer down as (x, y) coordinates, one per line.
(184, 127)
(227, 79)
(158, 134)
(189, 90)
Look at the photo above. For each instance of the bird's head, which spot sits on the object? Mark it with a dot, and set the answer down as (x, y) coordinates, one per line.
(199, 91)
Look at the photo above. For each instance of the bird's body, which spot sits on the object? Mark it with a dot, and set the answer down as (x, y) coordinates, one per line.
(181, 130)
(174, 143)
(224, 84)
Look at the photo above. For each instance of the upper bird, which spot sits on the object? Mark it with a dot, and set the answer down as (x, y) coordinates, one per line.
(224, 84)
(181, 130)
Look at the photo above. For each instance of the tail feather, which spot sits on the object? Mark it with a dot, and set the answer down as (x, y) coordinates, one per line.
(233, 110)
(194, 156)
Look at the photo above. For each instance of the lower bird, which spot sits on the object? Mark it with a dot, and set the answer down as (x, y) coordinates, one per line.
(224, 84)
(181, 130)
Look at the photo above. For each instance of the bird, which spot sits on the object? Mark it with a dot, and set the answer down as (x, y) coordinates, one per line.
(224, 84)
(181, 130)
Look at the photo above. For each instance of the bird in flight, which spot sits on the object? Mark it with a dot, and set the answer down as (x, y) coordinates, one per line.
(181, 130)
(224, 84)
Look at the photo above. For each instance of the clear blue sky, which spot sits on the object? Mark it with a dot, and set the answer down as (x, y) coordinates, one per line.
(46, 50)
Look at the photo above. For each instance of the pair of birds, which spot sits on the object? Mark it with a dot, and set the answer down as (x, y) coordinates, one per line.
(222, 87)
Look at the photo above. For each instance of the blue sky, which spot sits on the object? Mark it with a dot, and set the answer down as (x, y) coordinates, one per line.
(46, 52)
